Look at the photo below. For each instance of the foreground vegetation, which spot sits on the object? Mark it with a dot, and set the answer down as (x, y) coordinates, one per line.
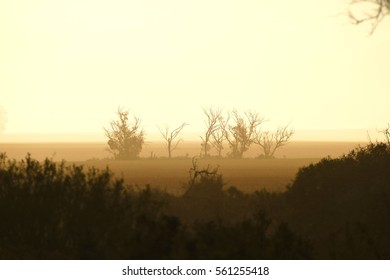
(335, 209)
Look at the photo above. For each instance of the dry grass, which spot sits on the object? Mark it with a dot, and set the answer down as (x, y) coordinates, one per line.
(247, 175)
(97, 150)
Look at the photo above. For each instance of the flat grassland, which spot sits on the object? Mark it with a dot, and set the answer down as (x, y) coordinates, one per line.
(248, 174)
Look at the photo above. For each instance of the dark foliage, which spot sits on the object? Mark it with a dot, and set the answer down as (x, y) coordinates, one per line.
(343, 204)
(49, 211)
(248, 239)
(54, 211)
(335, 209)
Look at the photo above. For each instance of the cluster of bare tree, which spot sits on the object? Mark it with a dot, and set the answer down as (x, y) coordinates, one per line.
(240, 131)
(126, 139)
(237, 131)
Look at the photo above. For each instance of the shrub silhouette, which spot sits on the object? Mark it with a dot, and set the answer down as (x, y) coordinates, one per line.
(50, 210)
(343, 204)
(341, 207)
(125, 140)
(247, 239)
(205, 199)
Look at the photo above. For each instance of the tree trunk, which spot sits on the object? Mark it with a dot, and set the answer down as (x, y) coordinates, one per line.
(169, 150)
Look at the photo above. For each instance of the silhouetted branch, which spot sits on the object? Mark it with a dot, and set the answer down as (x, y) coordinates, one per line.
(270, 142)
(125, 140)
(386, 133)
(198, 175)
(218, 136)
(378, 9)
(171, 136)
(213, 126)
(240, 133)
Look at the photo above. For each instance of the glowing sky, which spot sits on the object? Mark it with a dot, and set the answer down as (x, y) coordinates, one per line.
(66, 65)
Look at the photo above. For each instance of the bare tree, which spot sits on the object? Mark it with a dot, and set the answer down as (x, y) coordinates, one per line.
(218, 136)
(240, 134)
(125, 140)
(205, 181)
(3, 119)
(271, 141)
(371, 11)
(170, 137)
(212, 122)
(386, 133)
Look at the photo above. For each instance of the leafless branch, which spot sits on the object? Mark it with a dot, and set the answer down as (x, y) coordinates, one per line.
(197, 175)
(270, 142)
(218, 136)
(386, 133)
(171, 136)
(125, 140)
(212, 125)
(378, 9)
(240, 133)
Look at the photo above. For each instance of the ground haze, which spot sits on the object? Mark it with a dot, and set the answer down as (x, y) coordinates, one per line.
(154, 168)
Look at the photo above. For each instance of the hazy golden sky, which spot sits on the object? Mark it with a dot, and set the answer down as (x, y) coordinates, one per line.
(66, 65)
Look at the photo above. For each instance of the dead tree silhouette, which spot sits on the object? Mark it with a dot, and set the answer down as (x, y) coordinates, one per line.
(213, 125)
(240, 132)
(203, 180)
(170, 137)
(269, 142)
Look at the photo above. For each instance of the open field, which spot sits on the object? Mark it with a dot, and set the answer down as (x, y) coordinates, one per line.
(247, 174)
(83, 151)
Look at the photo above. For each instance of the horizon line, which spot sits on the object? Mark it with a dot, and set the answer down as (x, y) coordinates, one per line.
(311, 135)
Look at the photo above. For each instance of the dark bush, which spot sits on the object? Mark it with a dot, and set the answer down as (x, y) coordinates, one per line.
(51, 211)
(55, 211)
(248, 239)
(343, 204)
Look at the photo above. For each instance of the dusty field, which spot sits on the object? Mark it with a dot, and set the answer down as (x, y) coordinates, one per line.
(98, 150)
(248, 174)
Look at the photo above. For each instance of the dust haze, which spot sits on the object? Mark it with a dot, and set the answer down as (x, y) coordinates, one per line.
(194, 130)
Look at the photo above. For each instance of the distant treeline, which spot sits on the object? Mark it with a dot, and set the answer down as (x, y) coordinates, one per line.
(335, 209)
(236, 130)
